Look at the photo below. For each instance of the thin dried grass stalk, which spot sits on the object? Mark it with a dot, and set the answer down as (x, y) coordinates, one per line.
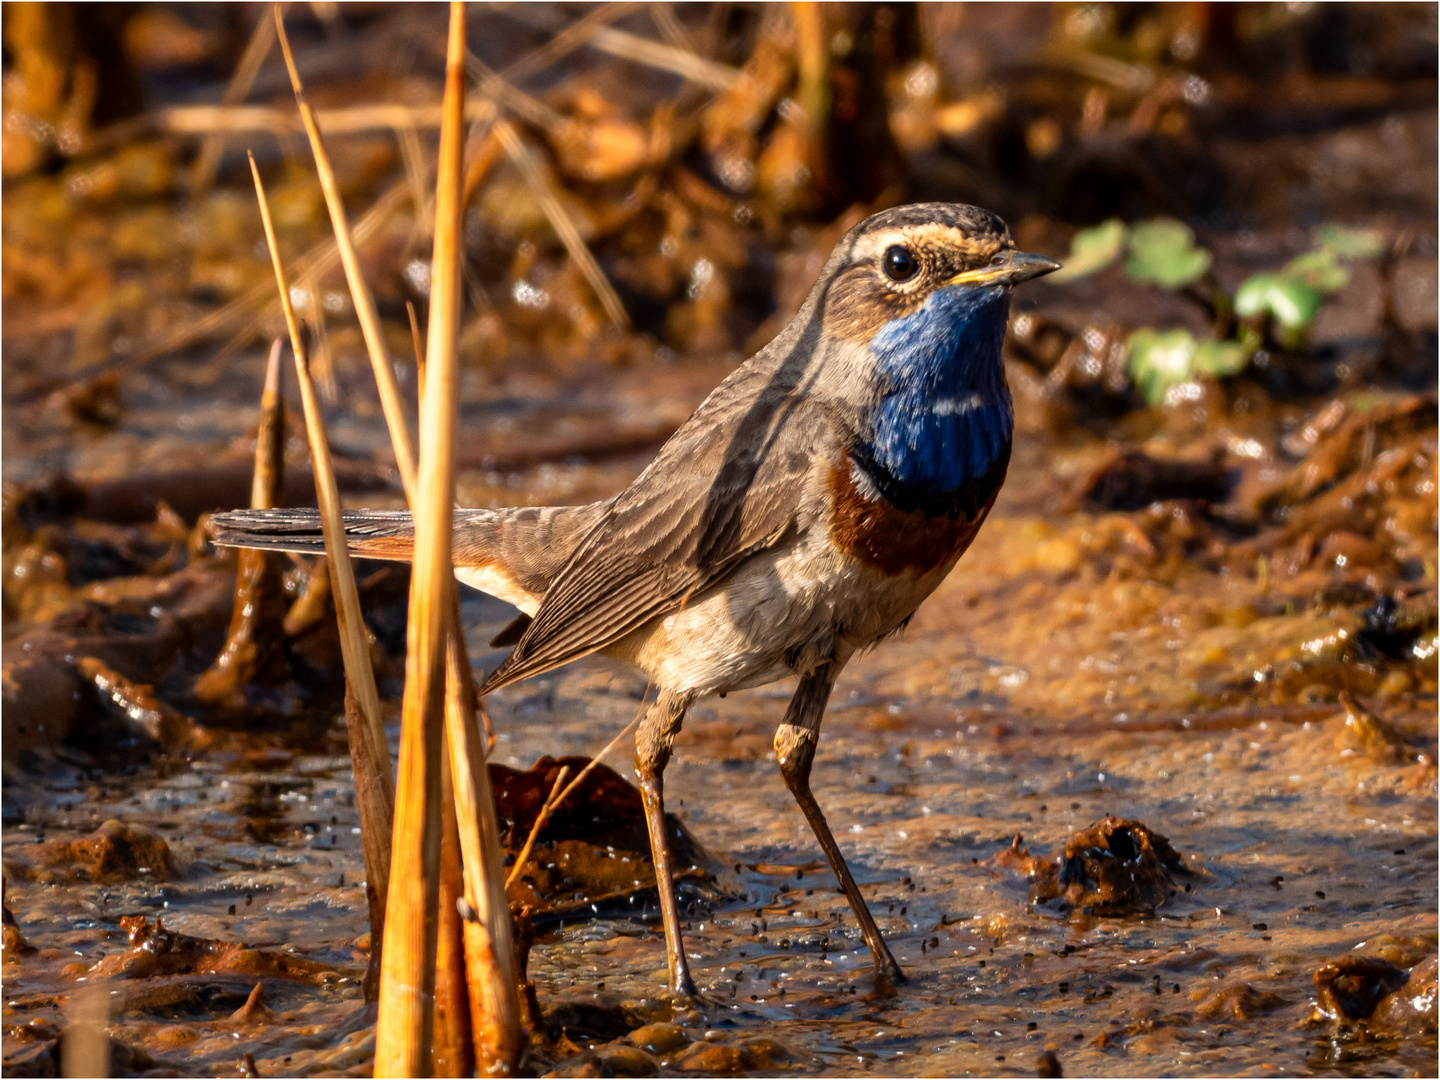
(268, 480)
(546, 809)
(419, 346)
(544, 193)
(354, 647)
(682, 62)
(498, 89)
(567, 40)
(359, 291)
(555, 800)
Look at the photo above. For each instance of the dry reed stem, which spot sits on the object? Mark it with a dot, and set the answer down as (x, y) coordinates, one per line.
(369, 752)
(489, 938)
(85, 1045)
(221, 120)
(544, 193)
(354, 647)
(453, 1049)
(404, 1033)
(375, 800)
(360, 294)
(202, 173)
(545, 810)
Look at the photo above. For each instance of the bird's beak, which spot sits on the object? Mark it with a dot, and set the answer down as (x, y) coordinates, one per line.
(1017, 267)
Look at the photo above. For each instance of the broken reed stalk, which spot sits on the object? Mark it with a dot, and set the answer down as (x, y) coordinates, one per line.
(546, 808)
(543, 193)
(369, 753)
(269, 478)
(360, 292)
(405, 1028)
(250, 643)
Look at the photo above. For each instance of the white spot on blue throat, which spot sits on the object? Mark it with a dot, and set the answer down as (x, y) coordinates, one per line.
(942, 417)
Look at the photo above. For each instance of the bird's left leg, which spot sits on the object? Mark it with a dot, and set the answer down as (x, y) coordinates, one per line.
(795, 742)
(652, 752)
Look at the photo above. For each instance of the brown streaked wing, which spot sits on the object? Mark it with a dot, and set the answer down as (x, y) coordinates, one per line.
(728, 485)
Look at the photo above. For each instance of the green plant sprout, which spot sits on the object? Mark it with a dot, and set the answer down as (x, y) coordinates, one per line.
(1281, 304)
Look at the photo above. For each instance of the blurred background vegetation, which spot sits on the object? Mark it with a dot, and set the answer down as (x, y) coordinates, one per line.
(709, 156)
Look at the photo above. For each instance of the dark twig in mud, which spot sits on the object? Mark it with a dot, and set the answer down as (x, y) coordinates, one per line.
(369, 752)
(545, 810)
(569, 234)
(405, 1030)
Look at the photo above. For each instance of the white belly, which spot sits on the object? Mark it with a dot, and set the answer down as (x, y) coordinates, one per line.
(781, 613)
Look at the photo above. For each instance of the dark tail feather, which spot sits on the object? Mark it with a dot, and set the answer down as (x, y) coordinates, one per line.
(369, 534)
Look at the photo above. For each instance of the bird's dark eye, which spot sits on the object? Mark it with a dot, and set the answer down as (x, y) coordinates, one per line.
(899, 263)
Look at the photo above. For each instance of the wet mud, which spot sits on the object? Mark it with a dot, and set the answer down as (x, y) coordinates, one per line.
(1147, 787)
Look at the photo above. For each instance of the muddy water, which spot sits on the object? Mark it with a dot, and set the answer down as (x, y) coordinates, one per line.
(1041, 689)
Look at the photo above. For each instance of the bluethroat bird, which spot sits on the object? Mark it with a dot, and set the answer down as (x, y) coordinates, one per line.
(800, 515)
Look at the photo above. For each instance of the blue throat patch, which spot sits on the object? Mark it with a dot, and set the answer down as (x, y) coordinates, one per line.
(941, 427)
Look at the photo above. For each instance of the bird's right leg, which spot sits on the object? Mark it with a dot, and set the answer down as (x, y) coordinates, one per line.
(795, 741)
(652, 751)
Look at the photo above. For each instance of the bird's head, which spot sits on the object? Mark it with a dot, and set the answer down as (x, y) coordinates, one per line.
(912, 308)
(895, 263)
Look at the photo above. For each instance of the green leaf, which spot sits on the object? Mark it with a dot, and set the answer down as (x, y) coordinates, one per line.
(1163, 252)
(1291, 302)
(1319, 269)
(1093, 250)
(1157, 361)
(1350, 243)
(1219, 358)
